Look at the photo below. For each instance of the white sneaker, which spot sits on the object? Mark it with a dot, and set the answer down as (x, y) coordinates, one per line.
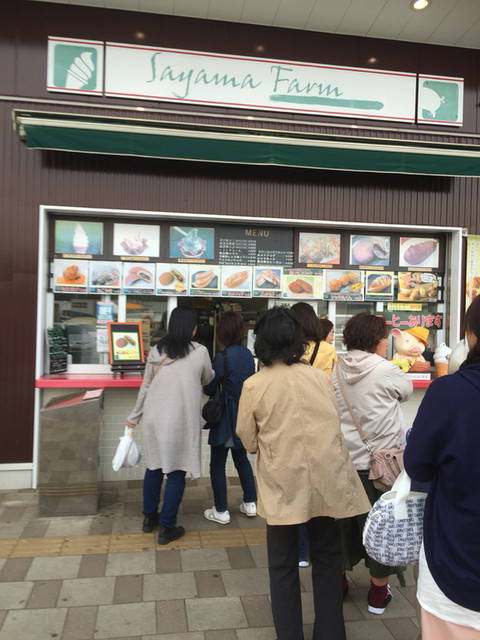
(248, 508)
(213, 514)
(303, 563)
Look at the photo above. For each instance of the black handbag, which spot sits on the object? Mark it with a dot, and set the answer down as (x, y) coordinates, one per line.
(212, 410)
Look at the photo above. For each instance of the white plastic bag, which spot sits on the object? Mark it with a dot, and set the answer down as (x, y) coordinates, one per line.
(127, 453)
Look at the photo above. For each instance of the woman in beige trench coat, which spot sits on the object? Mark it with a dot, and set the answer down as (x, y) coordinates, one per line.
(288, 416)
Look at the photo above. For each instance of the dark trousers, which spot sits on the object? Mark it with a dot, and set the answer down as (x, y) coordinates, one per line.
(326, 560)
(218, 460)
(172, 497)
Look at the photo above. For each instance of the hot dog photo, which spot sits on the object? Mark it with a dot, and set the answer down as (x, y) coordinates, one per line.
(204, 280)
(236, 281)
(379, 286)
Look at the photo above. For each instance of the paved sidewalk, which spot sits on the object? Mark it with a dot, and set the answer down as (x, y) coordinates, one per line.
(98, 577)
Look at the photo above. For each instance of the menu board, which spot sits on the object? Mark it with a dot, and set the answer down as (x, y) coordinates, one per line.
(57, 350)
(250, 246)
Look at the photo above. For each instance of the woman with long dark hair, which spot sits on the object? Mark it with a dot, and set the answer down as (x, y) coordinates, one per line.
(288, 416)
(169, 405)
(232, 366)
(443, 448)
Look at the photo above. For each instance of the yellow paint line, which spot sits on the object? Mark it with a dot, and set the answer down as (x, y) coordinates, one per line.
(255, 537)
(221, 538)
(33, 547)
(121, 543)
(85, 545)
(6, 547)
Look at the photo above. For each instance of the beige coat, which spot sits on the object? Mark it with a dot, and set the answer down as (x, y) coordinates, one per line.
(288, 416)
(169, 404)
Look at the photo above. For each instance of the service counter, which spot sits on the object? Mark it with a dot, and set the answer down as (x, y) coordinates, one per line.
(120, 394)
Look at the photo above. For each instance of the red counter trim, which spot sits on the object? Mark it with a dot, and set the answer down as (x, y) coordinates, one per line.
(104, 380)
(91, 381)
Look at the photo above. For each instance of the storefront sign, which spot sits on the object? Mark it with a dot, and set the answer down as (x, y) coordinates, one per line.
(173, 75)
(405, 320)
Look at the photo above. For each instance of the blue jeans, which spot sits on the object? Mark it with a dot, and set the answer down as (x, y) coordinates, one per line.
(218, 461)
(174, 488)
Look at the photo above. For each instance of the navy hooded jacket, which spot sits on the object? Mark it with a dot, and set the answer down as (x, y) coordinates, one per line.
(444, 448)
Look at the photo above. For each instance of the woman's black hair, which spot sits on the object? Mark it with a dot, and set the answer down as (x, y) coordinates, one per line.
(176, 344)
(471, 323)
(308, 320)
(364, 331)
(278, 337)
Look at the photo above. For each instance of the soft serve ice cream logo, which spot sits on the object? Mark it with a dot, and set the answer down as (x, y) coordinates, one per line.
(75, 66)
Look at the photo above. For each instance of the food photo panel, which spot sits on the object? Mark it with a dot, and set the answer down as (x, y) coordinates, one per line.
(204, 281)
(419, 252)
(370, 250)
(138, 278)
(105, 277)
(79, 237)
(141, 240)
(236, 282)
(379, 286)
(192, 243)
(302, 283)
(267, 282)
(70, 276)
(347, 286)
(318, 248)
(417, 287)
(172, 280)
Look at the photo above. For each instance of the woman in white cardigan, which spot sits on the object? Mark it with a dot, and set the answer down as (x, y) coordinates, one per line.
(169, 404)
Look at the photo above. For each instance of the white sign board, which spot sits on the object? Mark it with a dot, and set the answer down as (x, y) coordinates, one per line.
(251, 83)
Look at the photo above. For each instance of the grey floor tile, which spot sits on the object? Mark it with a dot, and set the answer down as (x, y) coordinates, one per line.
(170, 586)
(373, 630)
(244, 582)
(93, 566)
(266, 633)
(14, 595)
(168, 561)
(130, 563)
(12, 514)
(240, 558)
(69, 526)
(126, 524)
(80, 623)
(171, 617)
(84, 592)
(203, 559)
(258, 611)
(215, 613)
(35, 529)
(221, 634)
(401, 628)
(11, 530)
(128, 589)
(120, 620)
(188, 635)
(53, 568)
(259, 555)
(101, 525)
(33, 624)
(15, 569)
(209, 584)
(44, 594)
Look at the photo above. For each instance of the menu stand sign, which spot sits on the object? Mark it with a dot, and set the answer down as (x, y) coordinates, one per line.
(125, 347)
(57, 351)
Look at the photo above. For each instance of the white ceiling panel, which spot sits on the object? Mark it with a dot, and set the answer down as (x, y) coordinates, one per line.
(221, 10)
(294, 14)
(445, 22)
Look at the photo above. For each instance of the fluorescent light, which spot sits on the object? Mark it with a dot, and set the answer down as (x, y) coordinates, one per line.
(419, 4)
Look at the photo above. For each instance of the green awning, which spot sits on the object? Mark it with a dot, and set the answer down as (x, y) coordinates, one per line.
(175, 141)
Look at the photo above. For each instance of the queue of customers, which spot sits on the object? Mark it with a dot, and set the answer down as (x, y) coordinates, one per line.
(295, 414)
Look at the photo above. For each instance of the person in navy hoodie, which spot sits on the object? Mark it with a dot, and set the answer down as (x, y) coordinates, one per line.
(443, 448)
(223, 438)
